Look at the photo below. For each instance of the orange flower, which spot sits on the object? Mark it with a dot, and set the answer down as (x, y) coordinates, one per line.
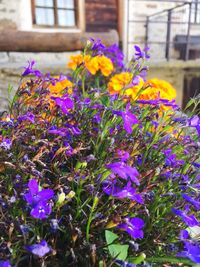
(105, 65)
(165, 89)
(58, 89)
(134, 90)
(92, 64)
(60, 86)
(101, 63)
(119, 82)
(75, 61)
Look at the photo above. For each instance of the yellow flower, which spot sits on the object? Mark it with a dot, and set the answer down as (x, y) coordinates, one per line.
(133, 91)
(166, 90)
(118, 82)
(60, 86)
(92, 65)
(105, 65)
(75, 61)
(101, 63)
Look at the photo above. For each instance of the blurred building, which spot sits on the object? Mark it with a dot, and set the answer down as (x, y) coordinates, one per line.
(49, 31)
(171, 28)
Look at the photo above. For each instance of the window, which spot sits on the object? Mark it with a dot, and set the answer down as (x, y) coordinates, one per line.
(195, 14)
(55, 13)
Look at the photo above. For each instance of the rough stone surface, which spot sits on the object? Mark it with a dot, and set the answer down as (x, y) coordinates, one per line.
(10, 74)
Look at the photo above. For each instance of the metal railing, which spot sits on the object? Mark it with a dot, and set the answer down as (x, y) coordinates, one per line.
(175, 24)
(169, 33)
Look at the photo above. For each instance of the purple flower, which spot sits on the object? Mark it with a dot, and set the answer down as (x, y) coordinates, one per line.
(192, 251)
(194, 122)
(133, 227)
(24, 228)
(97, 44)
(158, 101)
(29, 70)
(141, 54)
(97, 118)
(73, 129)
(115, 54)
(29, 116)
(128, 118)
(40, 249)
(41, 211)
(123, 155)
(38, 200)
(184, 234)
(197, 165)
(64, 103)
(171, 159)
(126, 192)
(54, 224)
(34, 195)
(6, 144)
(191, 200)
(59, 131)
(124, 171)
(190, 220)
(69, 151)
(5, 263)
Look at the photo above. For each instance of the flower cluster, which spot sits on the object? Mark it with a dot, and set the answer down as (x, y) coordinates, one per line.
(92, 173)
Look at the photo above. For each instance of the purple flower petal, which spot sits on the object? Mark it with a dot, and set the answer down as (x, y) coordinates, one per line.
(41, 211)
(40, 249)
(5, 263)
(64, 103)
(133, 227)
(189, 220)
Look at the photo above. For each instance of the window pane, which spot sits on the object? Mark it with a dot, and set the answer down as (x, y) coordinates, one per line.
(65, 3)
(66, 17)
(48, 3)
(198, 13)
(44, 16)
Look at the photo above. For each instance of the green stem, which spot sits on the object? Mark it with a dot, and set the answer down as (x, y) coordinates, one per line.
(95, 202)
(170, 260)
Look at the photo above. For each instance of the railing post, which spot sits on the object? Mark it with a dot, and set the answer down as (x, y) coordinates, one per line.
(147, 31)
(169, 16)
(188, 33)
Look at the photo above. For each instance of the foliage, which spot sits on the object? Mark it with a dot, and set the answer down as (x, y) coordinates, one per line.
(98, 168)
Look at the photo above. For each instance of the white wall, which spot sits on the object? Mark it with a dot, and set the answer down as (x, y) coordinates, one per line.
(19, 13)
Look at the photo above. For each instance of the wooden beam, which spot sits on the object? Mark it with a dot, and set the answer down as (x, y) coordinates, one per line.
(23, 41)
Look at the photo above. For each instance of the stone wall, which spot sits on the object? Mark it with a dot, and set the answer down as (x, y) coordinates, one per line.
(15, 14)
(12, 65)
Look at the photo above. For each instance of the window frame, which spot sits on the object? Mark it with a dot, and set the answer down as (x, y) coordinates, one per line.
(196, 9)
(78, 5)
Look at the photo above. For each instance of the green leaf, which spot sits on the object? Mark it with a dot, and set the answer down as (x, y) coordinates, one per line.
(171, 260)
(110, 237)
(105, 175)
(105, 100)
(139, 259)
(118, 251)
(81, 165)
